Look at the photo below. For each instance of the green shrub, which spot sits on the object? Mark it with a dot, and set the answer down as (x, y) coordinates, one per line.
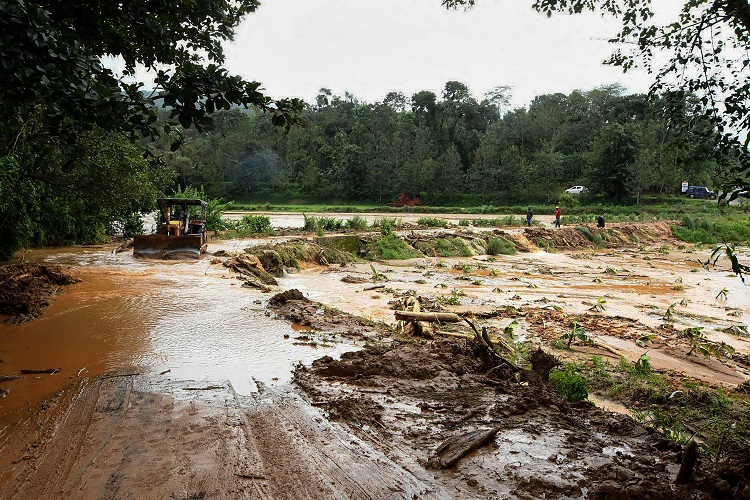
(390, 247)
(688, 222)
(132, 225)
(386, 225)
(256, 224)
(311, 222)
(331, 223)
(569, 384)
(585, 232)
(706, 225)
(432, 222)
(444, 247)
(500, 246)
(357, 223)
(492, 222)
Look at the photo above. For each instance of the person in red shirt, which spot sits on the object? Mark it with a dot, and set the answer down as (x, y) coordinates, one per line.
(557, 216)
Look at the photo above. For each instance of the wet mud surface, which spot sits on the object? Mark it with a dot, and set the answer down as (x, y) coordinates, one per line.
(408, 399)
(175, 380)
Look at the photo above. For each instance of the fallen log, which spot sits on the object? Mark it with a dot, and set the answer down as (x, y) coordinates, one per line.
(32, 371)
(455, 448)
(609, 348)
(427, 316)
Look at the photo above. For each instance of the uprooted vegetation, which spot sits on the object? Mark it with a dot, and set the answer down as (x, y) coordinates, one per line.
(682, 408)
(25, 289)
(444, 399)
(498, 242)
(389, 245)
(275, 259)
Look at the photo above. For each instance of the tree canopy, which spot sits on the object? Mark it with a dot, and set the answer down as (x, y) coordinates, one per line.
(54, 85)
(450, 149)
(708, 56)
(73, 133)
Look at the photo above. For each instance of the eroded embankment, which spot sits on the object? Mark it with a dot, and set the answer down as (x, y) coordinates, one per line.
(460, 242)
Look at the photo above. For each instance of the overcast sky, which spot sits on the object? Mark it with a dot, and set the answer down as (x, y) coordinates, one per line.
(295, 47)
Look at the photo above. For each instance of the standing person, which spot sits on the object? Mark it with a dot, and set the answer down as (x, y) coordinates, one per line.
(557, 216)
(529, 215)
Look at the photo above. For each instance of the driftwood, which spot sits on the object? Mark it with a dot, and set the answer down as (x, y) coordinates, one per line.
(427, 316)
(354, 279)
(609, 348)
(126, 245)
(456, 447)
(25, 289)
(6, 378)
(491, 356)
(250, 267)
(32, 371)
(374, 287)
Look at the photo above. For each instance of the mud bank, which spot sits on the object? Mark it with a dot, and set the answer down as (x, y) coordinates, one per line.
(409, 398)
(305, 314)
(25, 289)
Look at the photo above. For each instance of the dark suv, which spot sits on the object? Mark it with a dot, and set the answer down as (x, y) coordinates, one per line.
(700, 192)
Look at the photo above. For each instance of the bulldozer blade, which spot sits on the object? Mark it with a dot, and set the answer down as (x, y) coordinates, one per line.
(160, 246)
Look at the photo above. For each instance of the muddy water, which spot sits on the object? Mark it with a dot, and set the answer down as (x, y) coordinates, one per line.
(174, 320)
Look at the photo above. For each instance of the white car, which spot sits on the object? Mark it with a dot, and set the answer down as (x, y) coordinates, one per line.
(577, 190)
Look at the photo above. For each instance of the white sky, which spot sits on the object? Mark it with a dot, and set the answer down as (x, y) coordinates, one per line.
(295, 47)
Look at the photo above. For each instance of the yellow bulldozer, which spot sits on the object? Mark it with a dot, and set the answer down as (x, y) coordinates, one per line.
(177, 232)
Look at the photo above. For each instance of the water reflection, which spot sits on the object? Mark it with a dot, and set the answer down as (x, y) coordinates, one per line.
(213, 330)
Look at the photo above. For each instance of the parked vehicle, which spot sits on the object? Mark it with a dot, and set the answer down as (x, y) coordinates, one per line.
(177, 232)
(577, 190)
(700, 192)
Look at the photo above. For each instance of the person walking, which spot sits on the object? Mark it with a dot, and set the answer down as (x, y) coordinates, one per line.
(529, 215)
(557, 216)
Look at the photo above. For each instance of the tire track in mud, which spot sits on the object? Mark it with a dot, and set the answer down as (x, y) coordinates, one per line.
(57, 457)
(128, 437)
(320, 460)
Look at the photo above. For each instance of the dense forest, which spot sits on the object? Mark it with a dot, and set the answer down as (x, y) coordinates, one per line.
(452, 148)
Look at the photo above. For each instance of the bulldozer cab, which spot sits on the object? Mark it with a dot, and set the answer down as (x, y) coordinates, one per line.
(181, 230)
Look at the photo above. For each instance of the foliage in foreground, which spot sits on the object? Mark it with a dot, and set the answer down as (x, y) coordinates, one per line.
(681, 408)
(569, 384)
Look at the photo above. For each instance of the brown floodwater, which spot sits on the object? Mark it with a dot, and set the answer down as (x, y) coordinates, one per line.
(192, 321)
(177, 320)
